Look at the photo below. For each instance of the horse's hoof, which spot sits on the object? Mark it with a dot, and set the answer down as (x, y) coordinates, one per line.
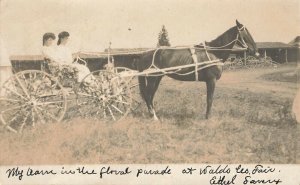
(155, 118)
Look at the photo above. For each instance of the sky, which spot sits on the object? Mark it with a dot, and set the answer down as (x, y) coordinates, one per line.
(92, 24)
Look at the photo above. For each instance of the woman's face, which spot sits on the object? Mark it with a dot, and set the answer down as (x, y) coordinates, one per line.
(64, 40)
(49, 42)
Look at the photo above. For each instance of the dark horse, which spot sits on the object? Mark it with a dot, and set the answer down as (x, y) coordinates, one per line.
(219, 48)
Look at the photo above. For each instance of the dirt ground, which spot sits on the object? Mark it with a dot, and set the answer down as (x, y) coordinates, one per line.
(251, 123)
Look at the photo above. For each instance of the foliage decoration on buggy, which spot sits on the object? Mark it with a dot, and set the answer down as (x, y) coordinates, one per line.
(66, 74)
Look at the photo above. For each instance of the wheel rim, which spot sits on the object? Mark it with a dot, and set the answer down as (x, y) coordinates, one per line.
(31, 97)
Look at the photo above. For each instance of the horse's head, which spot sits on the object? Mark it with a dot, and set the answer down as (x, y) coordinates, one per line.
(245, 39)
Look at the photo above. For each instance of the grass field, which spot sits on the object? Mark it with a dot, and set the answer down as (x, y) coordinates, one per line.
(251, 123)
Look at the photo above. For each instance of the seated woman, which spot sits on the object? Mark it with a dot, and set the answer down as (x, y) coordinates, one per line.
(64, 56)
(48, 50)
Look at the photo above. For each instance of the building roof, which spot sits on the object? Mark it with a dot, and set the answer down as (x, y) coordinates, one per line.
(26, 57)
(295, 41)
(272, 45)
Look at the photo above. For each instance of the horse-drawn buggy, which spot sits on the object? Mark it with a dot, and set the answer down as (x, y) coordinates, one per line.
(33, 97)
(41, 96)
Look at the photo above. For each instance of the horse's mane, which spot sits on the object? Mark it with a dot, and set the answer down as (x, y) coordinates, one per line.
(221, 38)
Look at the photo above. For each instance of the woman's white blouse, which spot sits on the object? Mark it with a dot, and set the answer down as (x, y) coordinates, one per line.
(49, 52)
(64, 54)
(60, 54)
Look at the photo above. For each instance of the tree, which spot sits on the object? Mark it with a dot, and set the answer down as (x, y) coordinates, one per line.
(163, 39)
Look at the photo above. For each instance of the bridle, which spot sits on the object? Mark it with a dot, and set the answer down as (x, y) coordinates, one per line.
(242, 41)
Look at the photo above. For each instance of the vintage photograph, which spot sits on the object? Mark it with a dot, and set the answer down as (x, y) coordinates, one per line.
(149, 82)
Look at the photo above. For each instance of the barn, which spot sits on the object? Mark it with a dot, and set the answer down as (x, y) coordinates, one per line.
(278, 51)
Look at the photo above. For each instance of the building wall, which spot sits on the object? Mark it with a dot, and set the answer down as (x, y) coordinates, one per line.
(279, 55)
(294, 55)
(21, 65)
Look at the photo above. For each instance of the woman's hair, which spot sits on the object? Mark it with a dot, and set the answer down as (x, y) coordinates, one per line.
(62, 35)
(48, 35)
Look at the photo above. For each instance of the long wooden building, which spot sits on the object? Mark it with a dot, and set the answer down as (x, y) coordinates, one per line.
(278, 51)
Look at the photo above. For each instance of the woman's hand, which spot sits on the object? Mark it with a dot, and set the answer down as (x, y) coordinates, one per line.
(75, 55)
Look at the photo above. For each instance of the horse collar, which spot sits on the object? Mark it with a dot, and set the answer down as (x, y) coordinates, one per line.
(195, 59)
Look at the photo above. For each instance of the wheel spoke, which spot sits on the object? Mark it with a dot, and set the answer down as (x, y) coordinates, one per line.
(8, 99)
(23, 88)
(13, 108)
(24, 78)
(7, 126)
(39, 115)
(83, 94)
(117, 108)
(126, 103)
(33, 119)
(50, 115)
(11, 121)
(83, 103)
(111, 113)
(134, 85)
(24, 121)
(49, 103)
(16, 93)
(104, 112)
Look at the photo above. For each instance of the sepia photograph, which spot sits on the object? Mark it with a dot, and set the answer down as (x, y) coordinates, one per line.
(149, 82)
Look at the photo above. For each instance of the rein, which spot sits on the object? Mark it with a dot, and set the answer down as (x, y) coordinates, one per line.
(194, 56)
(164, 71)
(192, 49)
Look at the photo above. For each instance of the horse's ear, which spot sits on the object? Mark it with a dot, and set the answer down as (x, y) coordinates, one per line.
(238, 24)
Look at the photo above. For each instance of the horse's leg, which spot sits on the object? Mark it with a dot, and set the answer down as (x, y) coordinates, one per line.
(142, 86)
(210, 88)
(144, 90)
(152, 86)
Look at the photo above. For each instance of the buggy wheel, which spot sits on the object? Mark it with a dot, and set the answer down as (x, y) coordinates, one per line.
(31, 97)
(130, 79)
(104, 95)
